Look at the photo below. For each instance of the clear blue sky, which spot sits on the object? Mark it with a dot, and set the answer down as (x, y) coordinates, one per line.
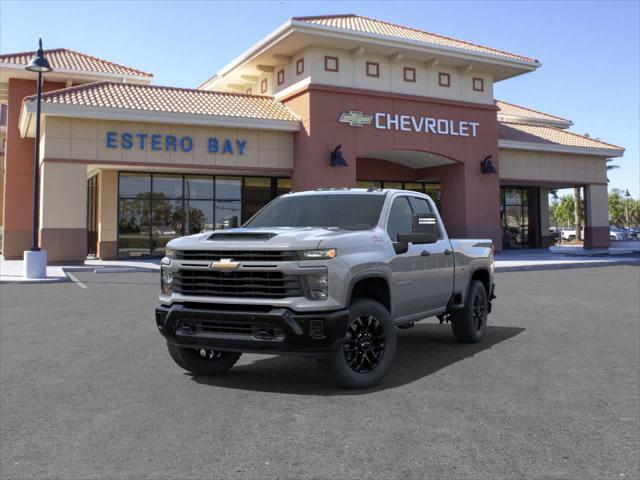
(589, 50)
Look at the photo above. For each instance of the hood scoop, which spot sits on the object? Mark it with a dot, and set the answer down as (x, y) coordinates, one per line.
(242, 236)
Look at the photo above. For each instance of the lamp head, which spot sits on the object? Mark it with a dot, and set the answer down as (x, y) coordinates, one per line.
(337, 160)
(39, 62)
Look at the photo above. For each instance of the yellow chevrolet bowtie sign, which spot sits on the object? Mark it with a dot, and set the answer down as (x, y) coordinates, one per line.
(356, 119)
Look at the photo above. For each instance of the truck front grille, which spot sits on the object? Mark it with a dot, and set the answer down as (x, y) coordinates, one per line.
(237, 255)
(241, 283)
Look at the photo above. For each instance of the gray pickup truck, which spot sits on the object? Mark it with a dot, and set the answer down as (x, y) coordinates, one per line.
(330, 274)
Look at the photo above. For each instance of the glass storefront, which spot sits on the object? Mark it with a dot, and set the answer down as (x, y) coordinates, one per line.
(519, 217)
(155, 208)
(431, 189)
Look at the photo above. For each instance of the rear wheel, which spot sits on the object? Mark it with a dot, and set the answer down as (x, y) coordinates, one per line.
(469, 324)
(202, 361)
(368, 349)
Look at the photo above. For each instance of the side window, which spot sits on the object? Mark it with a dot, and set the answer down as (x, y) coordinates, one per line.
(400, 218)
(420, 205)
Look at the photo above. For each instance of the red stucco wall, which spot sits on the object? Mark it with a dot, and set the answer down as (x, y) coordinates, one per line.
(471, 204)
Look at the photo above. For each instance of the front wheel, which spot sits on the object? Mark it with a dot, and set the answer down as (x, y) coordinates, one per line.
(368, 349)
(203, 362)
(469, 324)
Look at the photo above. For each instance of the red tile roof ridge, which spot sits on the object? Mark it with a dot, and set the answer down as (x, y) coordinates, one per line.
(49, 50)
(561, 130)
(532, 110)
(90, 85)
(504, 52)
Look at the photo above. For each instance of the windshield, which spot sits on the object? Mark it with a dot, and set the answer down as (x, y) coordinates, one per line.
(346, 211)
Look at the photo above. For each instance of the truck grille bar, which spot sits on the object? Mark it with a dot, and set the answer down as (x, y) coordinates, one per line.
(237, 255)
(242, 283)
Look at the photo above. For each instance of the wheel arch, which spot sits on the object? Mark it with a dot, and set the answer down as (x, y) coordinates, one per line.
(482, 274)
(373, 285)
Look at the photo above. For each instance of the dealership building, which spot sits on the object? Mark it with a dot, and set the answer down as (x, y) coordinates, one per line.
(330, 101)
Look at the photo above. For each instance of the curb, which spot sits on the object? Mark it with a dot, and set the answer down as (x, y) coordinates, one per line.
(566, 266)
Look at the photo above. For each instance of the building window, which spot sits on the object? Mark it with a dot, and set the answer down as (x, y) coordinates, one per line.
(373, 69)
(331, 64)
(248, 91)
(444, 79)
(263, 86)
(409, 74)
(478, 84)
(300, 66)
(155, 208)
(280, 77)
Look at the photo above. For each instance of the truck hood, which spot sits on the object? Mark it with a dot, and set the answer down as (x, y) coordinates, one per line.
(284, 238)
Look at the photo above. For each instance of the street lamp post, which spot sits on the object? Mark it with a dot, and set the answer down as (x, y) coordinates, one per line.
(35, 260)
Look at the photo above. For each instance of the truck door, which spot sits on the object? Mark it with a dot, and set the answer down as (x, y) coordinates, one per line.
(437, 282)
(408, 268)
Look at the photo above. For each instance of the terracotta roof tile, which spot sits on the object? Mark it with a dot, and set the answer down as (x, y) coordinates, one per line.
(152, 98)
(65, 59)
(513, 110)
(517, 132)
(370, 25)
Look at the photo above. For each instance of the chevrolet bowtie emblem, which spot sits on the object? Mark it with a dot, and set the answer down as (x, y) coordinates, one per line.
(355, 119)
(225, 264)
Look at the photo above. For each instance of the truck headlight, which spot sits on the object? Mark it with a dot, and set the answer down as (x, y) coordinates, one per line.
(318, 254)
(169, 254)
(316, 287)
(166, 281)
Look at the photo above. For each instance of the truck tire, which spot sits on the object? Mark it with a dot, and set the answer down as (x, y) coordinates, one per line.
(369, 347)
(203, 362)
(469, 324)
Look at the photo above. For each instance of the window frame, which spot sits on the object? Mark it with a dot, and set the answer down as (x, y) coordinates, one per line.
(327, 59)
(442, 82)
(280, 76)
(300, 66)
(263, 85)
(407, 70)
(480, 82)
(377, 67)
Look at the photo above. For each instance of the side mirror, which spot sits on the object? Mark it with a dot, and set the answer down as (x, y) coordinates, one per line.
(400, 247)
(425, 230)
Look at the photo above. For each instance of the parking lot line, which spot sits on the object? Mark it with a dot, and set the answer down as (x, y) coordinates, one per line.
(75, 280)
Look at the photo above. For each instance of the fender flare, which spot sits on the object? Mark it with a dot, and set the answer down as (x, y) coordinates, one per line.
(366, 275)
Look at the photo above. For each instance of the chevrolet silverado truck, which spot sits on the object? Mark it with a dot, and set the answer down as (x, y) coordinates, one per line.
(329, 274)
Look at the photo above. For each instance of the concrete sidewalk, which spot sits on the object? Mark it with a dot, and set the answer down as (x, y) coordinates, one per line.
(11, 270)
(543, 259)
(507, 261)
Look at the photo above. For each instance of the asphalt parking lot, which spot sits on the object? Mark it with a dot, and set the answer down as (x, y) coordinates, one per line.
(88, 390)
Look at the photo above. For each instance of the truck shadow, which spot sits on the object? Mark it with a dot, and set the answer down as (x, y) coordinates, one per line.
(422, 350)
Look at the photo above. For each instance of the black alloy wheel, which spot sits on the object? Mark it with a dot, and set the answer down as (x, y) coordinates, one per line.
(478, 315)
(364, 344)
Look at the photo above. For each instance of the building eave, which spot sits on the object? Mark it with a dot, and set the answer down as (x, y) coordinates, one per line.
(129, 115)
(541, 147)
(82, 73)
(532, 121)
(296, 26)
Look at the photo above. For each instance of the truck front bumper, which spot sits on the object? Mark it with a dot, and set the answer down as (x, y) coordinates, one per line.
(271, 330)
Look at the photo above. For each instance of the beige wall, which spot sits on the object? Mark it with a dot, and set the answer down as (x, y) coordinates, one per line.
(108, 206)
(597, 212)
(63, 195)
(80, 139)
(552, 167)
(352, 73)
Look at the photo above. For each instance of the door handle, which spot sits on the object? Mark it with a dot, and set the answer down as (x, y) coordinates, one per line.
(448, 251)
(425, 253)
